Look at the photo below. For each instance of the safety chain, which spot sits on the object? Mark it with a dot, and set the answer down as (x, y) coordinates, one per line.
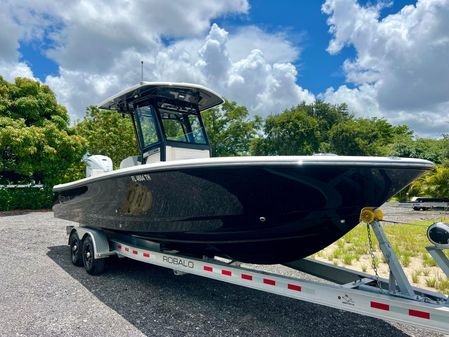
(371, 253)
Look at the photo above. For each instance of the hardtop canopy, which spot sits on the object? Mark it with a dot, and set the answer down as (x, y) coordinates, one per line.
(185, 92)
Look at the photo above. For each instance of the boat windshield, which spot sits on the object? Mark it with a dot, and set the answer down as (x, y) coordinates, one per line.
(179, 124)
(146, 116)
(184, 127)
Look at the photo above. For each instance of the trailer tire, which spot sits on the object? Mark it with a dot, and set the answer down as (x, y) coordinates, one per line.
(76, 253)
(92, 265)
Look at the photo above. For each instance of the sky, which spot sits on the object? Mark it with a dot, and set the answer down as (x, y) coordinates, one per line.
(385, 59)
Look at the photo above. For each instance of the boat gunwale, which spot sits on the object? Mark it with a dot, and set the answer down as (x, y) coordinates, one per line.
(377, 162)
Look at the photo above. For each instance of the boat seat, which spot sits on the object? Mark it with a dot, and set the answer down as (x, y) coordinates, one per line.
(130, 161)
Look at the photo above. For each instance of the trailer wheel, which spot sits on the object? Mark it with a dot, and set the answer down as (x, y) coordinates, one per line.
(75, 249)
(92, 265)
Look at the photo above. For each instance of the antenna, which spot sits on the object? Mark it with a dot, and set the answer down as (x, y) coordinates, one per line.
(141, 71)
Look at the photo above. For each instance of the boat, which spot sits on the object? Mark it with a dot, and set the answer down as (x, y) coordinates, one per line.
(261, 210)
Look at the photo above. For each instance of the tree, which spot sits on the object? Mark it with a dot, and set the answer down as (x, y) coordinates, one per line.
(304, 129)
(327, 115)
(35, 140)
(435, 150)
(365, 137)
(433, 184)
(229, 129)
(292, 132)
(108, 133)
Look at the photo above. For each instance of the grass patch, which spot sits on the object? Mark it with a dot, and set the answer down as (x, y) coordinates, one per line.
(406, 258)
(431, 282)
(443, 285)
(408, 242)
(428, 260)
(348, 258)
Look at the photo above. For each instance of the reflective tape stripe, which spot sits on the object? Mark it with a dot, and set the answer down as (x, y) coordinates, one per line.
(294, 287)
(380, 306)
(226, 272)
(207, 268)
(270, 282)
(247, 277)
(420, 314)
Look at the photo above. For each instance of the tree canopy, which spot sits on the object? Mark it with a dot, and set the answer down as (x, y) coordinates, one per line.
(108, 133)
(436, 150)
(323, 127)
(291, 132)
(36, 142)
(365, 137)
(433, 184)
(230, 130)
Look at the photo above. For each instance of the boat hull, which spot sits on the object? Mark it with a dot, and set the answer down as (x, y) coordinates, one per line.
(252, 212)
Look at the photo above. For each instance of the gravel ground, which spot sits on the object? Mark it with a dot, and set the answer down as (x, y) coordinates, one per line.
(404, 213)
(43, 294)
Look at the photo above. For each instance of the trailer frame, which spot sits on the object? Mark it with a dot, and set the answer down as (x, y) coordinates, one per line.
(392, 299)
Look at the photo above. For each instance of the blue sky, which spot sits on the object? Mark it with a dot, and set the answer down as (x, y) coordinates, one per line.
(384, 59)
(33, 55)
(307, 27)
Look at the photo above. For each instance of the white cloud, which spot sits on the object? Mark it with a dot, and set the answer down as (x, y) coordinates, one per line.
(95, 35)
(361, 100)
(10, 34)
(98, 48)
(10, 70)
(276, 47)
(401, 70)
(9, 37)
(262, 86)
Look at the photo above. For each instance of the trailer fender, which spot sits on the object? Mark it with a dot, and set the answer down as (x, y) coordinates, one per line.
(99, 239)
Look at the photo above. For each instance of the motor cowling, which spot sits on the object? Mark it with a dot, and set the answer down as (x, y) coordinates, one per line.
(97, 165)
(438, 234)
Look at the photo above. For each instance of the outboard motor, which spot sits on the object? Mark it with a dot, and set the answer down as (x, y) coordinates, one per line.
(97, 165)
(438, 234)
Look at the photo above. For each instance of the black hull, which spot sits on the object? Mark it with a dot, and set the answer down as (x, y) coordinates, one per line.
(254, 213)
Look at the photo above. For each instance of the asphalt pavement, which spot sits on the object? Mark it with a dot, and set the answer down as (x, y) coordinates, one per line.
(43, 294)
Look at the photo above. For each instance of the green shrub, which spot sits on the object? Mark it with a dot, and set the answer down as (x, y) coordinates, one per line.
(25, 198)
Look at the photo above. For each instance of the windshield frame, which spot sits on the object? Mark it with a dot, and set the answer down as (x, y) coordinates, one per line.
(155, 102)
(185, 123)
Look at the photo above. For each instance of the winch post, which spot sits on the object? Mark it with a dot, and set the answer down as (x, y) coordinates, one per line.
(440, 258)
(397, 279)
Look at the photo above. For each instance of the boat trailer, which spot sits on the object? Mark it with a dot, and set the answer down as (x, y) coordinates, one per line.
(391, 299)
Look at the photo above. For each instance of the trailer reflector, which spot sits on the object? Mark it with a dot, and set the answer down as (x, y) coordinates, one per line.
(420, 314)
(270, 282)
(119, 246)
(380, 306)
(247, 277)
(146, 254)
(207, 268)
(294, 287)
(226, 272)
